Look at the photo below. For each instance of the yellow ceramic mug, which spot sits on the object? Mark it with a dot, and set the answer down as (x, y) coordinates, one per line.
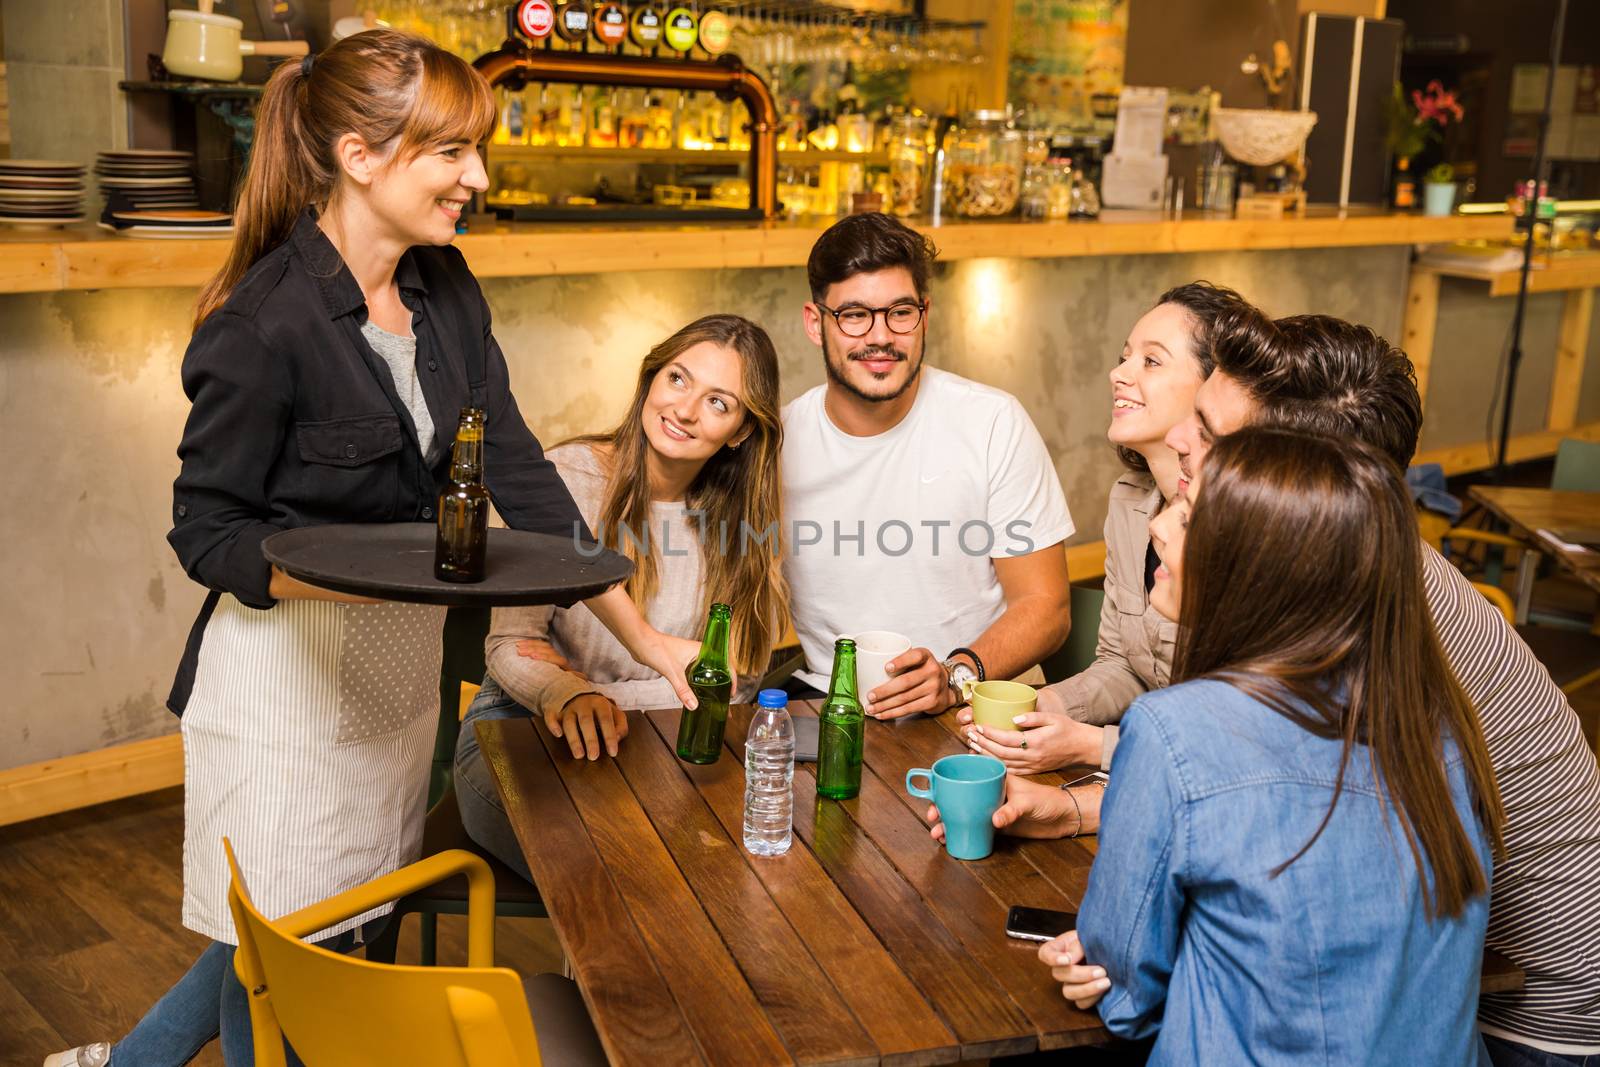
(997, 704)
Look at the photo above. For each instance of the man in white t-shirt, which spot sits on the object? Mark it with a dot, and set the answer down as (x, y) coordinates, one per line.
(916, 501)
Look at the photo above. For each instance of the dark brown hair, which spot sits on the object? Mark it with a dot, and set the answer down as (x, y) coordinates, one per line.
(1205, 303)
(1302, 587)
(734, 487)
(388, 87)
(861, 244)
(1326, 375)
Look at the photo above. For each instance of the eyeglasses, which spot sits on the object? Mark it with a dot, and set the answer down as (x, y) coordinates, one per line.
(901, 318)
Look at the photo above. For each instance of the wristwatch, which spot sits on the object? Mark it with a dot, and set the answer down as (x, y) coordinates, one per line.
(957, 673)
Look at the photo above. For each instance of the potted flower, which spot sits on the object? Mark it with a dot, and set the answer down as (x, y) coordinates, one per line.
(1414, 122)
(1439, 190)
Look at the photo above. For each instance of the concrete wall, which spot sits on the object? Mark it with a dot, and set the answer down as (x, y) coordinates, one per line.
(63, 61)
(96, 608)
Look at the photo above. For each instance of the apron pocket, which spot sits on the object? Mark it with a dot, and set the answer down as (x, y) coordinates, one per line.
(389, 659)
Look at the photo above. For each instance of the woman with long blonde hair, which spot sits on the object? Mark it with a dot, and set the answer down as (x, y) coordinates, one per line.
(330, 359)
(687, 486)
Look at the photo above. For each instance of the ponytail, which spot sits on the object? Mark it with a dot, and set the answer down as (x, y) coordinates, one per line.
(387, 87)
(281, 179)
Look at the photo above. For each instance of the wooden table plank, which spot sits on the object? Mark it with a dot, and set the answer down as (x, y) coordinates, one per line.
(904, 1027)
(1065, 863)
(971, 898)
(1527, 511)
(802, 1004)
(728, 1022)
(633, 1010)
(984, 1019)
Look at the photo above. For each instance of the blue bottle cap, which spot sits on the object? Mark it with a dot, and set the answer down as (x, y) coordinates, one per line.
(773, 698)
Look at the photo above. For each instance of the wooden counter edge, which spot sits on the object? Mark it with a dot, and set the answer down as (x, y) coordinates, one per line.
(77, 260)
(35, 790)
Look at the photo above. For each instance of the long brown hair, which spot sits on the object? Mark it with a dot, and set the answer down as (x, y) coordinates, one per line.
(737, 491)
(385, 86)
(1302, 586)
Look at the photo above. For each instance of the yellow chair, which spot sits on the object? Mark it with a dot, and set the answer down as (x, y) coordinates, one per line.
(1436, 529)
(337, 1010)
(442, 831)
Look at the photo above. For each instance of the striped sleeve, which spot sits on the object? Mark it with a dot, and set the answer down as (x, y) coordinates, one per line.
(1545, 906)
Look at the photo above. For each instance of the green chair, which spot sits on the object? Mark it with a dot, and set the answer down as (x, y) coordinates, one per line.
(1577, 467)
(464, 632)
(1078, 650)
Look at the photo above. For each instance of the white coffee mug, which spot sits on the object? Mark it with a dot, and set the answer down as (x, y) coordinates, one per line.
(874, 650)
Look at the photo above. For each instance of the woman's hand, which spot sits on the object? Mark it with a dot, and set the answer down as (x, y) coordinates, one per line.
(667, 656)
(1081, 983)
(1043, 742)
(586, 721)
(282, 587)
(1030, 810)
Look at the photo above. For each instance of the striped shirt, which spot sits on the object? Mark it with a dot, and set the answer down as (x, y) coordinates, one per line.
(1545, 906)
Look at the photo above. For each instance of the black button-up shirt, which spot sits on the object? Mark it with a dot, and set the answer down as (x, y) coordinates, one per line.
(295, 420)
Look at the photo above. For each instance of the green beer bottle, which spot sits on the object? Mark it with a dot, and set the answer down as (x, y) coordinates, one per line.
(840, 733)
(700, 730)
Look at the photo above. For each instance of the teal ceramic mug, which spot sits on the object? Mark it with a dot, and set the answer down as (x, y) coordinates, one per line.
(967, 790)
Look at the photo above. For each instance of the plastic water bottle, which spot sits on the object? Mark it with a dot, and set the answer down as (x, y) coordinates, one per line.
(769, 776)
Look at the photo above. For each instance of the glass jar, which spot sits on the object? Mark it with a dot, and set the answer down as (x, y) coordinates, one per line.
(983, 172)
(1047, 189)
(908, 165)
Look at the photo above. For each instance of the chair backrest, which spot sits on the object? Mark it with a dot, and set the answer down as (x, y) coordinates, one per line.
(338, 1010)
(1577, 467)
(1078, 650)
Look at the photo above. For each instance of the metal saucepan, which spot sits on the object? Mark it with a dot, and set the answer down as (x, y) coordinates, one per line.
(201, 44)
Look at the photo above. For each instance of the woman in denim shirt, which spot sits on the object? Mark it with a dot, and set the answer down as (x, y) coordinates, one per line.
(1295, 845)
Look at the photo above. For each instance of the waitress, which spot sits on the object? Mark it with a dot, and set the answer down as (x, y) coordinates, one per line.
(330, 359)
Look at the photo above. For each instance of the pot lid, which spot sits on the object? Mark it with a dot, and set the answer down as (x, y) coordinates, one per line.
(211, 20)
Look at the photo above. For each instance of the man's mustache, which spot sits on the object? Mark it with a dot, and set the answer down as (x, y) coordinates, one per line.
(874, 352)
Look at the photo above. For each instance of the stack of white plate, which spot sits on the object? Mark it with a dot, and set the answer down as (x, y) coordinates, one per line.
(141, 179)
(40, 192)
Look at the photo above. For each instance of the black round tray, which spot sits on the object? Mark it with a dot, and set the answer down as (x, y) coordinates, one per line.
(394, 561)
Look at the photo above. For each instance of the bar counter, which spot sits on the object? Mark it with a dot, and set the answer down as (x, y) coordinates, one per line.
(89, 258)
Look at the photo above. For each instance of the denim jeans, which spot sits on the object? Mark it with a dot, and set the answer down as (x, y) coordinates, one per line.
(482, 813)
(208, 1002)
(1506, 1053)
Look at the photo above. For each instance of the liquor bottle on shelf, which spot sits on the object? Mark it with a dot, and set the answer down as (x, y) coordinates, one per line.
(603, 128)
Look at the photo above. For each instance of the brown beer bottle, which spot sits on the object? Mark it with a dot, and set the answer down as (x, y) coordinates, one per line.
(463, 540)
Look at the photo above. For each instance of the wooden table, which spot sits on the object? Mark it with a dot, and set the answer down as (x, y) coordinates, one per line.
(865, 944)
(1526, 512)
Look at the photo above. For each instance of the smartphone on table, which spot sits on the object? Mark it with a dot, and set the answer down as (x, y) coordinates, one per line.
(1039, 924)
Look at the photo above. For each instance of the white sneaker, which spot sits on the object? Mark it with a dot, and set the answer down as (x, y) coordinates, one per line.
(95, 1055)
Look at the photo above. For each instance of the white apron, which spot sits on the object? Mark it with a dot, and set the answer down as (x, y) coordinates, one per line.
(306, 742)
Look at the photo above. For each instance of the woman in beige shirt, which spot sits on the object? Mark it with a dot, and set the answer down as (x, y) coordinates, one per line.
(1166, 357)
(692, 466)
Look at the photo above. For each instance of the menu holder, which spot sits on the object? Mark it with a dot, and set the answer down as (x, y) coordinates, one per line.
(394, 561)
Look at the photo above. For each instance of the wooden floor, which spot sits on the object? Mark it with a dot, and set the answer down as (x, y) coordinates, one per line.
(90, 934)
